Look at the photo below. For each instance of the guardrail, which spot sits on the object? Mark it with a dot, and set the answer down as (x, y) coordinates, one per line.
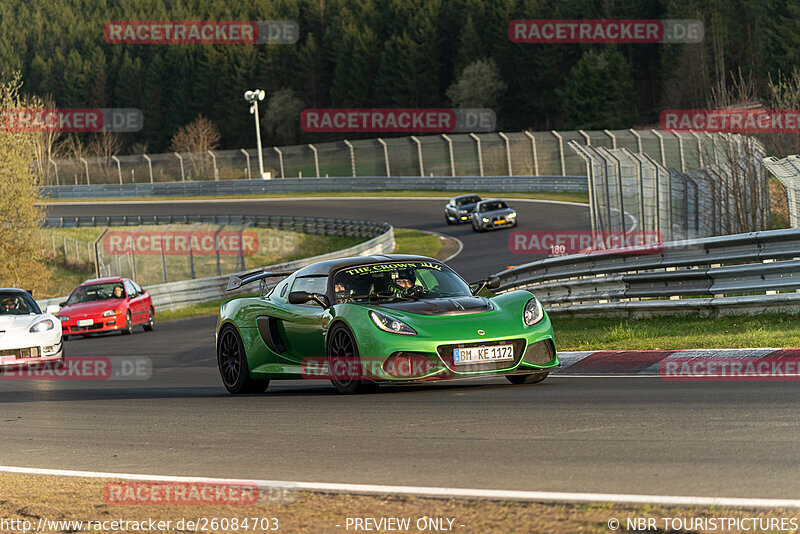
(174, 295)
(575, 184)
(741, 273)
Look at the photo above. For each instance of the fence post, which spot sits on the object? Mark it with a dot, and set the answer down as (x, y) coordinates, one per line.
(97, 252)
(385, 157)
(53, 163)
(613, 138)
(620, 201)
(191, 253)
(680, 149)
(183, 174)
(149, 166)
(590, 181)
(640, 186)
(86, 166)
(214, 160)
(699, 148)
(280, 159)
(452, 160)
(316, 158)
(586, 137)
(247, 155)
(535, 156)
(419, 154)
(119, 168)
(163, 256)
(638, 139)
(352, 156)
(480, 152)
(561, 152)
(504, 137)
(661, 145)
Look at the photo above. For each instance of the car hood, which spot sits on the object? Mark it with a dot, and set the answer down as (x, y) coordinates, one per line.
(13, 322)
(442, 306)
(496, 213)
(91, 308)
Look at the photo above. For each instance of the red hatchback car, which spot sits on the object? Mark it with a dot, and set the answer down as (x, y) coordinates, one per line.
(106, 305)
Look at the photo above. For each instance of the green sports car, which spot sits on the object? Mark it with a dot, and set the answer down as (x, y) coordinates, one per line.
(379, 319)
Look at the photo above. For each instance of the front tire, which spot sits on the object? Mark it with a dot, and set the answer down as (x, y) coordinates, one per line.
(533, 378)
(447, 219)
(232, 364)
(344, 362)
(128, 325)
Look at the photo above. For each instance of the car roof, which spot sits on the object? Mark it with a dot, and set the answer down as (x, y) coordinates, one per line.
(15, 289)
(103, 280)
(465, 196)
(324, 268)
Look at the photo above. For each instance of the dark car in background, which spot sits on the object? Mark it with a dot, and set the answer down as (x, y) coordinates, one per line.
(459, 209)
(491, 214)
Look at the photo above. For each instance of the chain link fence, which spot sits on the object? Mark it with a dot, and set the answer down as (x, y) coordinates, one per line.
(485, 154)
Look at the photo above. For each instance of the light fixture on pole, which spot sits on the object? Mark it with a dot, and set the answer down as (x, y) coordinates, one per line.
(253, 97)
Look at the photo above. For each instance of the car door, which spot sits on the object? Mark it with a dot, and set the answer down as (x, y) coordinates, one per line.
(134, 301)
(304, 324)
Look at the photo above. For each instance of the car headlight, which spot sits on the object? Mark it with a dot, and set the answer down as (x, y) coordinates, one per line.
(485, 219)
(390, 324)
(63, 318)
(109, 313)
(533, 312)
(512, 214)
(42, 326)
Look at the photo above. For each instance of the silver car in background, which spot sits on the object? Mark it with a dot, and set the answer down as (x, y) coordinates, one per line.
(491, 214)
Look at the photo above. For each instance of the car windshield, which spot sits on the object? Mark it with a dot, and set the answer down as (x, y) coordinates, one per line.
(467, 200)
(492, 206)
(95, 292)
(15, 303)
(398, 281)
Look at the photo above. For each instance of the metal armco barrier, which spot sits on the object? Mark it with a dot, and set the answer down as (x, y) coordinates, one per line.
(176, 295)
(573, 184)
(741, 273)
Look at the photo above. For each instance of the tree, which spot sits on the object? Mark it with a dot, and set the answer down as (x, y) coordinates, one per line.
(282, 117)
(24, 260)
(200, 135)
(479, 86)
(599, 93)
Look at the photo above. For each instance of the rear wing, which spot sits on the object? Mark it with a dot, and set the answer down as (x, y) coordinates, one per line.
(237, 281)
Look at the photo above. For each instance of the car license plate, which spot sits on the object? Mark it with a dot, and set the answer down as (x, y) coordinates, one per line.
(483, 354)
(500, 221)
(86, 322)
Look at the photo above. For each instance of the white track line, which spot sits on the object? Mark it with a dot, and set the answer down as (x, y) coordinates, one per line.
(281, 199)
(422, 491)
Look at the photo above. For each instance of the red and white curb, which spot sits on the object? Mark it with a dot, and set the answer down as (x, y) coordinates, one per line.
(652, 362)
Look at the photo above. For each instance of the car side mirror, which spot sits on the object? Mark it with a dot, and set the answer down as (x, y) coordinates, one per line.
(62, 304)
(302, 297)
(53, 309)
(493, 282)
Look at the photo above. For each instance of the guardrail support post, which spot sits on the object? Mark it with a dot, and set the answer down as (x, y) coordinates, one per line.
(247, 155)
(480, 152)
(119, 168)
(535, 156)
(214, 160)
(352, 156)
(316, 158)
(385, 156)
(504, 137)
(450, 148)
(419, 153)
(561, 152)
(180, 158)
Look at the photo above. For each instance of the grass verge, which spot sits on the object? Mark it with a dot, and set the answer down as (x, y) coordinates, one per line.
(667, 333)
(48, 498)
(582, 198)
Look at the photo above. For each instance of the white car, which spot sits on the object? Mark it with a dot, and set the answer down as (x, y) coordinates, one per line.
(26, 334)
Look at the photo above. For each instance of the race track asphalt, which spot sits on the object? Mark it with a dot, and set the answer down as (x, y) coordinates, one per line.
(574, 434)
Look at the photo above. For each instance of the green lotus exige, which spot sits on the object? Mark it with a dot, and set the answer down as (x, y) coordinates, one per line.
(370, 319)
